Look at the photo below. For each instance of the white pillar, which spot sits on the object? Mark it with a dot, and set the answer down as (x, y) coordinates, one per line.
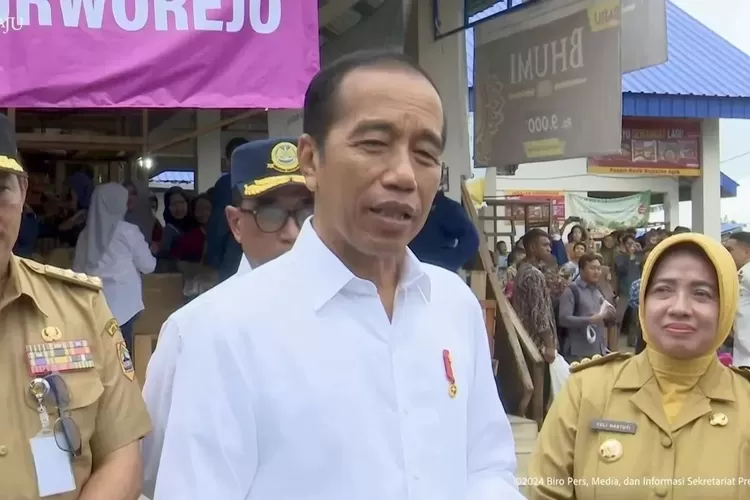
(209, 152)
(284, 122)
(672, 207)
(706, 190)
(445, 61)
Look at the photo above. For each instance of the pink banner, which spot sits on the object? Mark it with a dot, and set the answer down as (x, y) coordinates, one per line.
(157, 53)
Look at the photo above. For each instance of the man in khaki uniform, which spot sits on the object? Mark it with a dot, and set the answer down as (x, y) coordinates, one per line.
(73, 414)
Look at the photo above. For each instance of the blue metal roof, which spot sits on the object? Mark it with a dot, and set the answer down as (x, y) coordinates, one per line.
(704, 77)
(700, 63)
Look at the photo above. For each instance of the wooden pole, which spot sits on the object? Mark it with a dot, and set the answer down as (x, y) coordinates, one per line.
(193, 134)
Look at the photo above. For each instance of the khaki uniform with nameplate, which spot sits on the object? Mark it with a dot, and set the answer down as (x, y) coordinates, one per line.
(607, 437)
(56, 321)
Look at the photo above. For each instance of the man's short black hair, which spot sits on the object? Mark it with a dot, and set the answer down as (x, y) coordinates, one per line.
(742, 237)
(579, 244)
(321, 99)
(233, 144)
(532, 237)
(627, 237)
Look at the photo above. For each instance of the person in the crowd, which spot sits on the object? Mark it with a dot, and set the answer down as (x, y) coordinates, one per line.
(532, 300)
(378, 383)
(628, 268)
(27, 234)
(190, 247)
(68, 220)
(681, 230)
(670, 413)
(116, 252)
(577, 234)
(608, 250)
(738, 245)
(265, 223)
(635, 304)
(178, 219)
(501, 254)
(582, 313)
(222, 251)
(141, 211)
(448, 238)
(91, 405)
(81, 184)
(571, 269)
(508, 275)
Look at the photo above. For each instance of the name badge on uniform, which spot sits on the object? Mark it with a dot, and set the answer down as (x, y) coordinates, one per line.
(59, 357)
(54, 471)
(614, 426)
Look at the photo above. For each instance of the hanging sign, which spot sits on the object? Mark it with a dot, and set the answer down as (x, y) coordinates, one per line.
(601, 216)
(654, 147)
(555, 199)
(549, 87)
(644, 34)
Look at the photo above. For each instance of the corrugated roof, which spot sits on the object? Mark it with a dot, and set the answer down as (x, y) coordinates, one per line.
(701, 63)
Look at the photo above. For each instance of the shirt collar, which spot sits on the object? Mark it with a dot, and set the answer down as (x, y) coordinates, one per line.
(20, 283)
(744, 270)
(327, 276)
(244, 267)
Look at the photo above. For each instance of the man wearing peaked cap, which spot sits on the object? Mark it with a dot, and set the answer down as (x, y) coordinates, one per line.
(74, 400)
(270, 203)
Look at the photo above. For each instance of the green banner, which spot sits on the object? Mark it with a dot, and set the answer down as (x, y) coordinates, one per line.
(601, 216)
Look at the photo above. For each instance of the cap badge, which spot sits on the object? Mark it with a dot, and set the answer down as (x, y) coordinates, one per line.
(12, 165)
(284, 158)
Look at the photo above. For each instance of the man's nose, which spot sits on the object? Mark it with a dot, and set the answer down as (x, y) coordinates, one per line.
(400, 174)
(289, 232)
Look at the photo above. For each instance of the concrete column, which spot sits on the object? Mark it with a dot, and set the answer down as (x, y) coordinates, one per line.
(672, 208)
(706, 190)
(209, 152)
(445, 61)
(284, 122)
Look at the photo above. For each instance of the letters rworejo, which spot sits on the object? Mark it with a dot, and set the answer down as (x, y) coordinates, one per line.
(263, 16)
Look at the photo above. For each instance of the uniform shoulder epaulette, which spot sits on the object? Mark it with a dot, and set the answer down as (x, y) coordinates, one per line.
(597, 360)
(66, 275)
(743, 371)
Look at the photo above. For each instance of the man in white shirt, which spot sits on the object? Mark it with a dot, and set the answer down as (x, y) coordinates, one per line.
(350, 371)
(270, 204)
(738, 245)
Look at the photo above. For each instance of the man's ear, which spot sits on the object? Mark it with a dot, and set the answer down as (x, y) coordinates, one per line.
(233, 220)
(308, 156)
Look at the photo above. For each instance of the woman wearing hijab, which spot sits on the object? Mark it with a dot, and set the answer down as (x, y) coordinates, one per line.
(116, 252)
(177, 219)
(671, 422)
(191, 247)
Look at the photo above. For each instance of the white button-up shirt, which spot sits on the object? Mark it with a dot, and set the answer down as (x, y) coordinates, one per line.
(120, 268)
(157, 390)
(741, 351)
(306, 390)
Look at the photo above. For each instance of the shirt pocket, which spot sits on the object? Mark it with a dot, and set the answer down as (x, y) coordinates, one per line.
(84, 390)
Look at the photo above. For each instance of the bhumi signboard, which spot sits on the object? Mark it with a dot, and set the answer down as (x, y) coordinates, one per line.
(654, 147)
(549, 91)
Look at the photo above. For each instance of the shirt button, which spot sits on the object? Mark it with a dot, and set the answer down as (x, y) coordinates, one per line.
(661, 491)
(3, 450)
(666, 441)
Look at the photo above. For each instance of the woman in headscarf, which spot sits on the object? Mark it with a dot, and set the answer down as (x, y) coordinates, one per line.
(191, 247)
(140, 211)
(116, 252)
(177, 219)
(671, 422)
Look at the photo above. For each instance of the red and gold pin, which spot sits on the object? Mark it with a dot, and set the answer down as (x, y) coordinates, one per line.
(448, 364)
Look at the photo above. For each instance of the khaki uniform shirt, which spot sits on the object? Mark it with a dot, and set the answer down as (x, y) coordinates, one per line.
(106, 401)
(704, 455)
